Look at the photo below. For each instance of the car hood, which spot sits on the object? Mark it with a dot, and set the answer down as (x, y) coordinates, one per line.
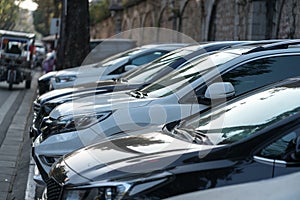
(80, 91)
(55, 93)
(128, 156)
(99, 103)
(47, 76)
(93, 69)
(86, 69)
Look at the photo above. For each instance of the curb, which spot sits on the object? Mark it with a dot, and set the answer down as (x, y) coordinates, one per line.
(13, 142)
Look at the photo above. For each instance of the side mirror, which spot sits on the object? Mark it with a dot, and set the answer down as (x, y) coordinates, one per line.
(219, 90)
(129, 67)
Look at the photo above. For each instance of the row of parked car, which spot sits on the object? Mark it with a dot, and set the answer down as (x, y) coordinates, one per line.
(175, 119)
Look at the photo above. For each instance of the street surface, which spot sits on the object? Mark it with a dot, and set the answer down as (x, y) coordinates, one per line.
(15, 118)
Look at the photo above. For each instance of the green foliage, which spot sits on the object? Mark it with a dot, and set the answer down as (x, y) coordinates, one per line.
(99, 11)
(8, 14)
(47, 9)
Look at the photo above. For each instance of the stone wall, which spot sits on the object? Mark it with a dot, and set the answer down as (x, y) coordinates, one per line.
(205, 20)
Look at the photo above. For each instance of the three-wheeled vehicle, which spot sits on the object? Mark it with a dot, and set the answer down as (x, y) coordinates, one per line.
(16, 53)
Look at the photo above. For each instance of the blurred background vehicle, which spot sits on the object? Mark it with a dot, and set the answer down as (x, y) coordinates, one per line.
(40, 53)
(112, 67)
(16, 57)
(109, 68)
(105, 49)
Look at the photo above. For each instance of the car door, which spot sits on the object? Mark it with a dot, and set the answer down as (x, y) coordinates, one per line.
(272, 157)
(281, 153)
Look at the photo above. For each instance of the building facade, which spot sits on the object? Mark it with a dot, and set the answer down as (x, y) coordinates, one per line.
(206, 20)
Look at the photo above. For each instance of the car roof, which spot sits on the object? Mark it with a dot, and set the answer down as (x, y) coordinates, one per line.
(16, 34)
(260, 48)
(165, 46)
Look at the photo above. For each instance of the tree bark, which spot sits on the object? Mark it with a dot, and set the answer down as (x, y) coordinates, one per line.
(73, 44)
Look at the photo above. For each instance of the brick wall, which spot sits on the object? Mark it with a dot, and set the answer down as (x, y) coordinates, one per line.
(210, 19)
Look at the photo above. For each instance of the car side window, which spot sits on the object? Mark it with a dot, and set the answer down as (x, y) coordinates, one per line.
(140, 61)
(262, 72)
(147, 58)
(282, 148)
(119, 70)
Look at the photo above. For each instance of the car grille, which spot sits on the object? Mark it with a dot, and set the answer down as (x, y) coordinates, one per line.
(54, 190)
(39, 117)
(45, 127)
(36, 107)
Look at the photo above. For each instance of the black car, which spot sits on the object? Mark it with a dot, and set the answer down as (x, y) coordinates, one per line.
(134, 79)
(255, 136)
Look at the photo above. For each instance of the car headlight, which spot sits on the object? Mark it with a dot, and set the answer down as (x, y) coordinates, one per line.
(116, 192)
(71, 123)
(48, 107)
(63, 79)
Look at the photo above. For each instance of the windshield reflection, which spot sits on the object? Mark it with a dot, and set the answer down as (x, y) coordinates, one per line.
(245, 117)
(186, 75)
(146, 73)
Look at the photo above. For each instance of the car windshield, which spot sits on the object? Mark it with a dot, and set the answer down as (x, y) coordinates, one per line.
(116, 58)
(243, 118)
(147, 72)
(113, 62)
(14, 45)
(186, 75)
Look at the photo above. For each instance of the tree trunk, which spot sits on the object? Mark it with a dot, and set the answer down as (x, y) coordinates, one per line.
(73, 45)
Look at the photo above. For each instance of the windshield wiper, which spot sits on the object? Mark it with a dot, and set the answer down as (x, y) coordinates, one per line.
(201, 138)
(123, 80)
(183, 134)
(138, 94)
(193, 135)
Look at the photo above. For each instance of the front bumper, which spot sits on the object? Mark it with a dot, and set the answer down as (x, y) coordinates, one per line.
(55, 146)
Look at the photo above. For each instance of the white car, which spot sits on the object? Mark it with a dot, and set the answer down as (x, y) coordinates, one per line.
(203, 82)
(112, 67)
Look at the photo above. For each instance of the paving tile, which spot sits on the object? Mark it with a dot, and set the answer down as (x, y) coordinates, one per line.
(4, 187)
(7, 164)
(7, 157)
(10, 150)
(3, 195)
(11, 142)
(5, 178)
(13, 138)
(7, 170)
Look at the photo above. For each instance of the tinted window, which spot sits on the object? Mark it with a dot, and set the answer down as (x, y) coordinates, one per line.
(282, 148)
(246, 116)
(148, 71)
(147, 58)
(187, 74)
(262, 72)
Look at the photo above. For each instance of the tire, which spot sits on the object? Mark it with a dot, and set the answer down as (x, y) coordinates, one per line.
(11, 80)
(28, 84)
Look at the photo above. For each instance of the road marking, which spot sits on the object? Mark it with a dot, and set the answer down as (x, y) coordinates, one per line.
(7, 104)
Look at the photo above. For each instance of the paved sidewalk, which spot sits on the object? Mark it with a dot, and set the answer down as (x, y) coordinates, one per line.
(11, 147)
